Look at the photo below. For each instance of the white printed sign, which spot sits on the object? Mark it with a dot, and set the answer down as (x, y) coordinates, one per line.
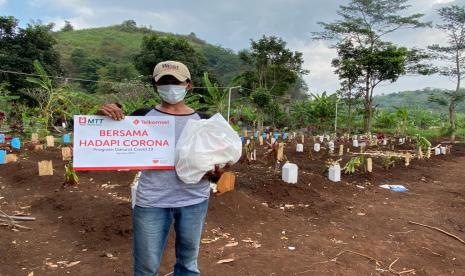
(135, 143)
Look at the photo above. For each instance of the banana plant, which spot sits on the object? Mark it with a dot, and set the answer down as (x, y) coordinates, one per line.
(215, 99)
(45, 95)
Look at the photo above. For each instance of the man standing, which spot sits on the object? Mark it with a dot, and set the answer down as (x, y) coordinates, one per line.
(162, 198)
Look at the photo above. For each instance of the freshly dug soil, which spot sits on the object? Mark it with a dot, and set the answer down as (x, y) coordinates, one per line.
(314, 227)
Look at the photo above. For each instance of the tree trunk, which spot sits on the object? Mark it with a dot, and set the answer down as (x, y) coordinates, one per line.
(453, 99)
(368, 118)
(368, 109)
(452, 121)
(349, 118)
(349, 111)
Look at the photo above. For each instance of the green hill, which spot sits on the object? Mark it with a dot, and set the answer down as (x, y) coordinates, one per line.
(417, 99)
(119, 43)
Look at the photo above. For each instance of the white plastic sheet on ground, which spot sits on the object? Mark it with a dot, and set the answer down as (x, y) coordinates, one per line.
(204, 144)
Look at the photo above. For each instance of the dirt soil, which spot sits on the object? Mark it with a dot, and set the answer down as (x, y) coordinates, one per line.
(264, 227)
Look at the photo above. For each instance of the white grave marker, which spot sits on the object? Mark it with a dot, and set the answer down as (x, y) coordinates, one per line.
(334, 173)
(289, 174)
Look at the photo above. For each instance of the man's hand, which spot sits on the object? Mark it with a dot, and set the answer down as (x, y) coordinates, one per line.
(217, 172)
(111, 110)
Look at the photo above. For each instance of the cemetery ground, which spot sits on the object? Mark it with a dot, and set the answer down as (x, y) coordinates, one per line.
(263, 227)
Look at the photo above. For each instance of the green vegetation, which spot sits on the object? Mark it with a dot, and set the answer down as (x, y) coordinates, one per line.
(85, 52)
(354, 164)
(19, 47)
(389, 161)
(71, 177)
(156, 48)
(453, 25)
(365, 59)
(267, 78)
(417, 99)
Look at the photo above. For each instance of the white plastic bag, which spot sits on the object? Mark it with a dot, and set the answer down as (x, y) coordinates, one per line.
(204, 144)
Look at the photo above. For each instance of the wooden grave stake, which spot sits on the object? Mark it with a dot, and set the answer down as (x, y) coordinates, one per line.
(50, 141)
(226, 183)
(66, 153)
(45, 167)
(11, 158)
(407, 157)
(38, 147)
(369, 165)
(260, 140)
(428, 153)
(245, 133)
(341, 150)
(303, 139)
(35, 138)
(280, 154)
(420, 153)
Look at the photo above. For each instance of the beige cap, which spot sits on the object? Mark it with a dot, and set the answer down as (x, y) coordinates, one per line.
(173, 68)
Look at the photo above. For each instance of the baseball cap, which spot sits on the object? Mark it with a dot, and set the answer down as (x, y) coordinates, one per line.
(173, 68)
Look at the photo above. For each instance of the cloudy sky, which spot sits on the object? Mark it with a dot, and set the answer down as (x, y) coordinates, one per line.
(232, 24)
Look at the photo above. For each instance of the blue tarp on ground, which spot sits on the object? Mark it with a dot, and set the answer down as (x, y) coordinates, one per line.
(2, 156)
(16, 143)
(66, 139)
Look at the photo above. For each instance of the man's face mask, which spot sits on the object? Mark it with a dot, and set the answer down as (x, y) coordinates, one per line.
(171, 93)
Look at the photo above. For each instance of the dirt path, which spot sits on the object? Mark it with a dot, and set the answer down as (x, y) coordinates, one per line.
(92, 223)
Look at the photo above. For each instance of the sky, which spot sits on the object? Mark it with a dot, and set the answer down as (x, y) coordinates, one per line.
(232, 24)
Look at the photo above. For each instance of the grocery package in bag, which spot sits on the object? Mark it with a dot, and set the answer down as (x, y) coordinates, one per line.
(204, 144)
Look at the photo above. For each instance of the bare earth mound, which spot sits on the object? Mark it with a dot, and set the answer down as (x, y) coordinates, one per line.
(265, 227)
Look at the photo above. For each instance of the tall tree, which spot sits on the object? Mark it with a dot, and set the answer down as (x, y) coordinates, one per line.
(275, 67)
(364, 23)
(261, 100)
(156, 48)
(67, 27)
(453, 25)
(349, 72)
(19, 47)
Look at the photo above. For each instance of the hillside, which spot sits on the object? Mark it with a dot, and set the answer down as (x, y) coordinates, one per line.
(417, 99)
(119, 43)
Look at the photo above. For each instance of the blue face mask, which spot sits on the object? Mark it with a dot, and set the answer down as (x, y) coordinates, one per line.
(172, 94)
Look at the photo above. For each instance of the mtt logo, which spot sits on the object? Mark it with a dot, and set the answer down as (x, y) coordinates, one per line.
(90, 121)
